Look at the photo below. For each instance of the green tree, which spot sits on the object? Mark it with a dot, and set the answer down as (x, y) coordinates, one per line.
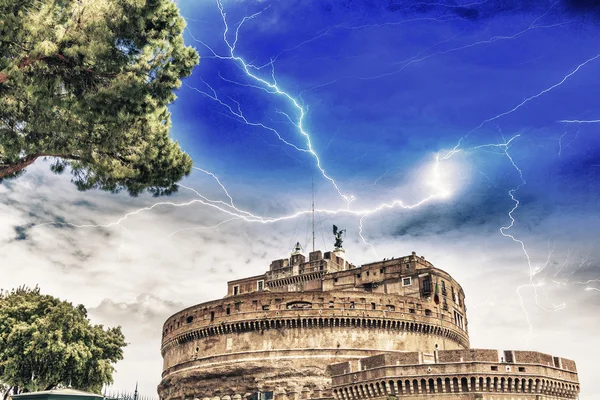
(88, 82)
(45, 342)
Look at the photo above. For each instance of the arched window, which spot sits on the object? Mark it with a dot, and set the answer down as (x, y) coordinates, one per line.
(464, 384)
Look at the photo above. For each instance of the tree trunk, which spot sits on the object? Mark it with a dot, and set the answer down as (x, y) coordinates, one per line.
(7, 392)
(10, 169)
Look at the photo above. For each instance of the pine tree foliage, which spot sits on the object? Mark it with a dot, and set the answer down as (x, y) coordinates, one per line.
(46, 342)
(88, 82)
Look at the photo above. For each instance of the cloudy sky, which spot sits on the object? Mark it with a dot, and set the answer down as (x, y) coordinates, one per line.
(465, 133)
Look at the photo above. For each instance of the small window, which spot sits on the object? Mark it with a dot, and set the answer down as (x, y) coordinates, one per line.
(255, 304)
(381, 270)
(335, 279)
(236, 290)
(358, 275)
(237, 306)
(494, 368)
(407, 281)
(351, 304)
(189, 319)
(390, 307)
(367, 273)
(373, 306)
(260, 285)
(428, 312)
(295, 305)
(228, 311)
(212, 316)
(411, 310)
(331, 304)
(521, 369)
(265, 307)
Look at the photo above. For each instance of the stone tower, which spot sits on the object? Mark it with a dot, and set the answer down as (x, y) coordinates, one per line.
(324, 328)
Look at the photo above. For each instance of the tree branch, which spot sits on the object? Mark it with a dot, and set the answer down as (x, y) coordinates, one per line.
(29, 61)
(13, 168)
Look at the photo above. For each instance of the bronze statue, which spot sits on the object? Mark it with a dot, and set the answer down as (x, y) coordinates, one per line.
(338, 236)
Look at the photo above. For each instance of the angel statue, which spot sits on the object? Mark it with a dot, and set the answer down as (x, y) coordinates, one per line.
(338, 236)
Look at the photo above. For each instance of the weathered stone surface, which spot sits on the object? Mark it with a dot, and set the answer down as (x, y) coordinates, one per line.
(324, 328)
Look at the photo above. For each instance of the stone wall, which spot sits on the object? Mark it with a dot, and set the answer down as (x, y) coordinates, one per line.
(454, 373)
(269, 340)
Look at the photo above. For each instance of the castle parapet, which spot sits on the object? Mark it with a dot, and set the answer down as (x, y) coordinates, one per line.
(463, 374)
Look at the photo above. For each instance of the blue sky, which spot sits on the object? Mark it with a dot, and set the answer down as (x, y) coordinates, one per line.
(385, 87)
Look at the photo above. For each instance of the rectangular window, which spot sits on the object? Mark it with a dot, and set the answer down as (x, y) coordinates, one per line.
(427, 285)
(260, 285)
(236, 290)
(390, 307)
(373, 306)
(407, 281)
(443, 288)
(335, 280)
(351, 304)
(521, 369)
(428, 312)
(381, 270)
(458, 320)
(237, 306)
(228, 311)
(358, 275)
(331, 304)
(255, 304)
(212, 316)
(265, 307)
(411, 310)
(494, 368)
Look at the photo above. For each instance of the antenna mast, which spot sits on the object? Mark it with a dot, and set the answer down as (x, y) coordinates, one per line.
(312, 181)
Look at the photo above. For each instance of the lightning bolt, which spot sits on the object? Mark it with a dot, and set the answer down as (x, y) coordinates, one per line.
(580, 121)
(504, 232)
(272, 86)
(297, 119)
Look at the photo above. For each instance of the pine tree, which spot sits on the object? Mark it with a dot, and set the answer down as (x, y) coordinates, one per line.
(88, 82)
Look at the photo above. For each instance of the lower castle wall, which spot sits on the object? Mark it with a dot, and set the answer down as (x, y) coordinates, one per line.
(336, 340)
(279, 360)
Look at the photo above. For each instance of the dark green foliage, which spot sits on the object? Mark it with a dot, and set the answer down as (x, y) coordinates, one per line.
(45, 342)
(88, 82)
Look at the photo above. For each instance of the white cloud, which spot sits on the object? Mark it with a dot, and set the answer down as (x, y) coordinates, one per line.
(136, 275)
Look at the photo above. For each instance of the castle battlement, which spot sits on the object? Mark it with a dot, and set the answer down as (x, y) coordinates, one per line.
(519, 374)
(320, 327)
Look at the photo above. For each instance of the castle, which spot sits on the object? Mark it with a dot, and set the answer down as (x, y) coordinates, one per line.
(323, 328)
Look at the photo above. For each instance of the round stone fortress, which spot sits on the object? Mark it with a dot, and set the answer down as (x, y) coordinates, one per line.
(300, 331)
